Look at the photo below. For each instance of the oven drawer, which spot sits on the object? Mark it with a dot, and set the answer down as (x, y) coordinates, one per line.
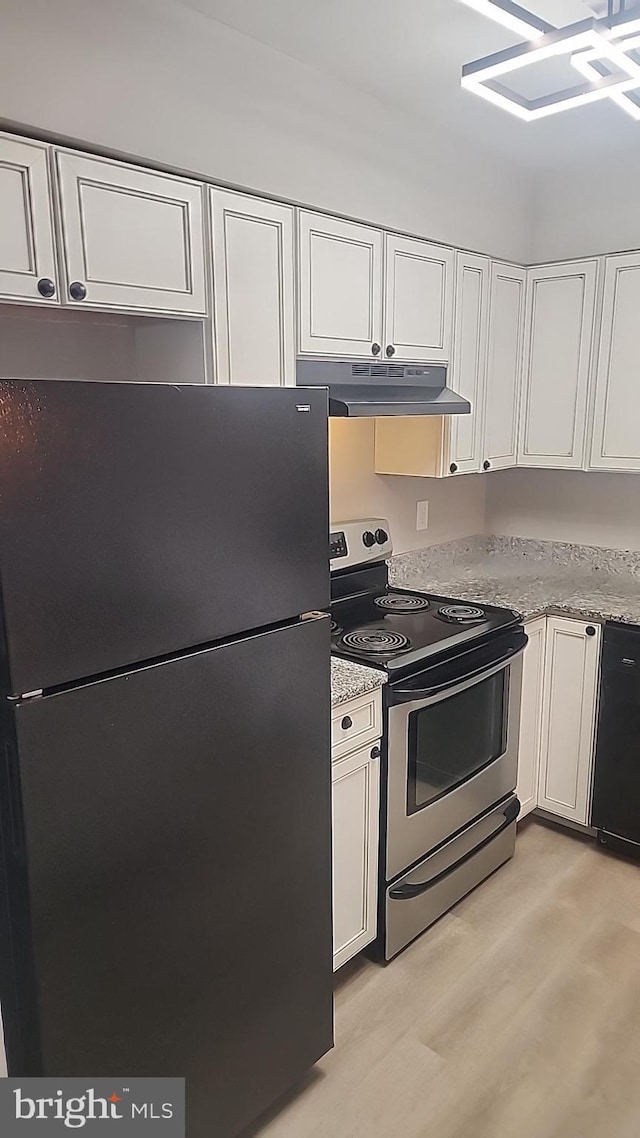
(416, 900)
(356, 723)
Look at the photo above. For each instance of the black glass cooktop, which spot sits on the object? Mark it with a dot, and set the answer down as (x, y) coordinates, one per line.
(396, 628)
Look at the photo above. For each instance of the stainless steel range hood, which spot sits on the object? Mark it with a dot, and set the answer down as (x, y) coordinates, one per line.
(370, 389)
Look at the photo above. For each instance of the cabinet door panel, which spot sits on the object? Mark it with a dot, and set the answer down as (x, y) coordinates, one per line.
(531, 716)
(469, 361)
(253, 290)
(418, 299)
(133, 238)
(340, 286)
(572, 661)
(504, 369)
(356, 790)
(560, 319)
(616, 440)
(27, 252)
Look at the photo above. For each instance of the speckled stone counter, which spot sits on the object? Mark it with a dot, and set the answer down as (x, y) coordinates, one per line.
(533, 577)
(349, 680)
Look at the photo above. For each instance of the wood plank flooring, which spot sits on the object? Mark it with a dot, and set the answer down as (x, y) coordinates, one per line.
(516, 1016)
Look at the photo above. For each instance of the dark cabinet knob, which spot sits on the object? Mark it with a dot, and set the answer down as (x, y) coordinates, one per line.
(368, 538)
(375, 752)
(46, 287)
(381, 536)
(77, 291)
(375, 349)
(486, 465)
(347, 722)
(453, 467)
(390, 350)
(590, 630)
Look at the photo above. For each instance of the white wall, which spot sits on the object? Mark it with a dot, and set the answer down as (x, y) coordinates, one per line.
(456, 505)
(159, 80)
(587, 208)
(584, 507)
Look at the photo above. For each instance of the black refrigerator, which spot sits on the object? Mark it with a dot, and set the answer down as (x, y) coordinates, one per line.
(165, 772)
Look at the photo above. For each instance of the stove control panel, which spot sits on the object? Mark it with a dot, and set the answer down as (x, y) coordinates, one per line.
(359, 542)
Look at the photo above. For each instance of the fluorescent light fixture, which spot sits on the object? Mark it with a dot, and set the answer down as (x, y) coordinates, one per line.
(590, 65)
(482, 76)
(511, 16)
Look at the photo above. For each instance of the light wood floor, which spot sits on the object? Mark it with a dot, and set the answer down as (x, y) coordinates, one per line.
(516, 1016)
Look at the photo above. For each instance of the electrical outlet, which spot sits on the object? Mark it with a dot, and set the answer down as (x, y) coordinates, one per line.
(422, 515)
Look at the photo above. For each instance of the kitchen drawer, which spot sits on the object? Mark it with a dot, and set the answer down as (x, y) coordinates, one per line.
(355, 723)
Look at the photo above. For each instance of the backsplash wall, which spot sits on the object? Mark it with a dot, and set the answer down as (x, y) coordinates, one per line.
(588, 508)
(456, 505)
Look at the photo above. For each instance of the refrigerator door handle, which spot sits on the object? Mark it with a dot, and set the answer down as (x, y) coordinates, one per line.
(15, 800)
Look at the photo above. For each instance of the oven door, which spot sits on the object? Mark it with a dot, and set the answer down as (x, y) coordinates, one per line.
(452, 746)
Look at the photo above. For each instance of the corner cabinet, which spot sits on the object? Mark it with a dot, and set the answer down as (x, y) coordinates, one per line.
(339, 287)
(616, 439)
(531, 716)
(464, 453)
(28, 271)
(355, 777)
(132, 239)
(504, 366)
(253, 290)
(572, 665)
(418, 300)
(560, 327)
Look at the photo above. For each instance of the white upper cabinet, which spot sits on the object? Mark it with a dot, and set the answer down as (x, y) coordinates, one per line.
(504, 368)
(132, 239)
(468, 372)
(340, 287)
(616, 437)
(560, 324)
(253, 288)
(27, 254)
(572, 664)
(418, 300)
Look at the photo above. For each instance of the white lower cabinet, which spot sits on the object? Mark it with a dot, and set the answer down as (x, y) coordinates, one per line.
(531, 716)
(572, 661)
(355, 781)
(558, 717)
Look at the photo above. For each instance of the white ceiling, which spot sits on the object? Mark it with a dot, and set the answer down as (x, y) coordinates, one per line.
(409, 54)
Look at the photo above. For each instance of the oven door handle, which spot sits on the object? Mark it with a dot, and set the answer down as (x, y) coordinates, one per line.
(420, 695)
(407, 892)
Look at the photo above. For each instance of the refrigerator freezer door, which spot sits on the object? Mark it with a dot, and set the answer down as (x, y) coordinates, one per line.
(138, 520)
(176, 833)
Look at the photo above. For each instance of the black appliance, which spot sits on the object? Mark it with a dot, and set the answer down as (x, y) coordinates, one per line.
(362, 388)
(615, 810)
(451, 726)
(165, 904)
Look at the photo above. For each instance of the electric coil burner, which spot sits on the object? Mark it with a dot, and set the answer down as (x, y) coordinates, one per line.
(450, 730)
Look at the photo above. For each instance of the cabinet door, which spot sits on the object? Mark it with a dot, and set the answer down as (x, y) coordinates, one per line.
(339, 287)
(27, 256)
(356, 798)
(253, 290)
(560, 325)
(418, 300)
(616, 440)
(133, 239)
(531, 716)
(572, 662)
(504, 369)
(469, 362)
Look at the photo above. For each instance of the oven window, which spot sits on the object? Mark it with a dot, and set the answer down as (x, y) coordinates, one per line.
(452, 740)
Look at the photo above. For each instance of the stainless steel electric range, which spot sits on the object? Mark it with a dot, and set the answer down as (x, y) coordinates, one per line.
(451, 723)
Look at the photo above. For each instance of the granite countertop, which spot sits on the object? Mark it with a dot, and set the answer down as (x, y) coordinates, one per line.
(533, 577)
(349, 680)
